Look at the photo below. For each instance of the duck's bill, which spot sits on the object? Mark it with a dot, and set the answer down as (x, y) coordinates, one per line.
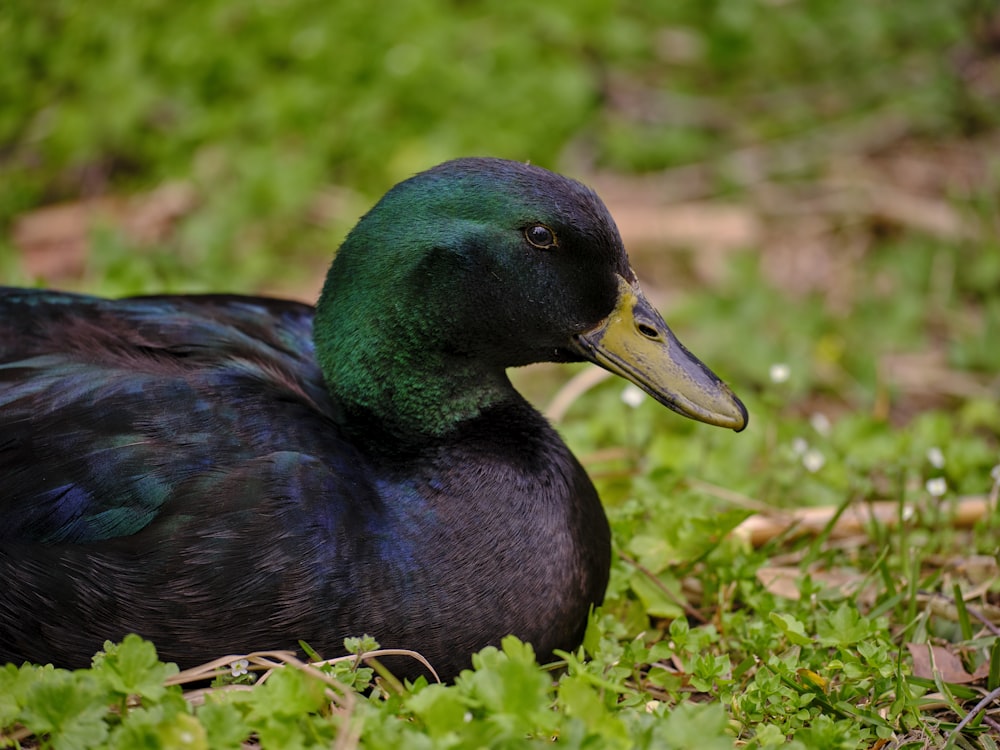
(635, 343)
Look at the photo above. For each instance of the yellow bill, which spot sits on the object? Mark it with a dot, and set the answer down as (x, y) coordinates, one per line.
(635, 343)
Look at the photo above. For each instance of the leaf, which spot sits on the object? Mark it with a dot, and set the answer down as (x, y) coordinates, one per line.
(653, 597)
(580, 699)
(784, 580)
(692, 726)
(134, 669)
(184, 732)
(289, 711)
(441, 708)
(928, 658)
(651, 551)
(793, 629)
(510, 685)
(287, 692)
(160, 728)
(68, 706)
(592, 635)
(812, 679)
(361, 645)
(769, 735)
(14, 685)
(225, 725)
(310, 652)
(780, 580)
(845, 627)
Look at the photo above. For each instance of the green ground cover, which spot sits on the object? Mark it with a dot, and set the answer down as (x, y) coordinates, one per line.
(872, 382)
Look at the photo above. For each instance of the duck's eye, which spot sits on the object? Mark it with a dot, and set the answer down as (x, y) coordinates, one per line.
(540, 236)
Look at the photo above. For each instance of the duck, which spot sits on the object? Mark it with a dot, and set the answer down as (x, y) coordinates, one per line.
(226, 474)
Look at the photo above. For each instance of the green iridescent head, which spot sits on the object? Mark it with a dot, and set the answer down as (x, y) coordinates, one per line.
(482, 264)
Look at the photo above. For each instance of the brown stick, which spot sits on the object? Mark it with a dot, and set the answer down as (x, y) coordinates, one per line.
(760, 528)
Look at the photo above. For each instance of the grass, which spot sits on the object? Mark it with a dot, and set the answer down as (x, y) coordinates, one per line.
(858, 321)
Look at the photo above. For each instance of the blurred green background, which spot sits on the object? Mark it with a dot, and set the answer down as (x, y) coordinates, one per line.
(826, 171)
(810, 189)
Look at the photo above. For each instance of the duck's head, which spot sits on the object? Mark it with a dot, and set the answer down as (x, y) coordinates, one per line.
(482, 264)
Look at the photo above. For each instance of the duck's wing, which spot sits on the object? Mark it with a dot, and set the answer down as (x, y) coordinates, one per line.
(110, 410)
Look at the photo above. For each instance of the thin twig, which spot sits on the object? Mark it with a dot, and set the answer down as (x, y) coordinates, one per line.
(971, 610)
(979, 707)
(680, 602)
(760, 528)
(575, 387)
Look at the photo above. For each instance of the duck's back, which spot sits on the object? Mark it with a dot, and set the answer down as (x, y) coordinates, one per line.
(145, 445)
(108, 406)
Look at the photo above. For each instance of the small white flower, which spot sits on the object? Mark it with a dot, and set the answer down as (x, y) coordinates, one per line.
(936, 486)
(813, 460)
(239, 667)
(821, 423)
(935, 457)
(780, 372)
(633, 395)
(799, 446)
(467, 717)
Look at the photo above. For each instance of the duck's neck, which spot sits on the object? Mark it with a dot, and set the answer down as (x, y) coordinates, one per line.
(417, 395)
(393, 372)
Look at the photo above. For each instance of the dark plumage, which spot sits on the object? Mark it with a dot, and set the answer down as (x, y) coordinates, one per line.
(224, 474)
